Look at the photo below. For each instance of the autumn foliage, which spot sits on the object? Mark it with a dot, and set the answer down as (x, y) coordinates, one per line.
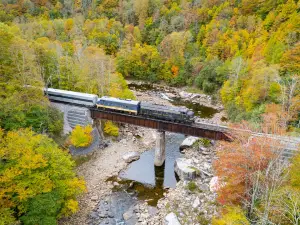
(255, 176)
(111, 129)
(237, 164)
(81, 136)
(37, 181)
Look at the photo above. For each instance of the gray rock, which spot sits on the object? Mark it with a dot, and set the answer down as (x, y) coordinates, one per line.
(184, 94)
(170, 95)
(196, 203)
(152, 210)
(94, 198)
(206, 166)
(94, 215)
(128, 214)
(204, 187)
(202, 149)
(171, 219)
(110, 214)
(185, 169)
(131, 156)
(164, 96)
(188, 142)
(123, 141)
(102, 215)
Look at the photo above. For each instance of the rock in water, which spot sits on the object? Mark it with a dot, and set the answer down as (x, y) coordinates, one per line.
(185, 169)
(131, 156)
(188, 142)
(171, 219)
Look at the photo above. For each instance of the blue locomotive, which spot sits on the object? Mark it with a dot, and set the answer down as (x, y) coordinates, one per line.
(146, 109)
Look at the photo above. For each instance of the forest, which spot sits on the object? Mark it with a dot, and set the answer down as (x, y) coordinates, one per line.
(245, 53)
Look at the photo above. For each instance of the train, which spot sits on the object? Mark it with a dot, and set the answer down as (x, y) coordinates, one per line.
(142, 108)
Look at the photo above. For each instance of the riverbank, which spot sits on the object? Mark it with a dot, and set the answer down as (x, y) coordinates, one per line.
(205, 108)
(100, 204)
(104, 163)
(192, 202)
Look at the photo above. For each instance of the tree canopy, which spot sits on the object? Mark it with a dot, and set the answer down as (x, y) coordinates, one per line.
(36, 175)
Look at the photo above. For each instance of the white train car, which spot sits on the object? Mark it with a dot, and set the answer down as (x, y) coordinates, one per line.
(71, 97)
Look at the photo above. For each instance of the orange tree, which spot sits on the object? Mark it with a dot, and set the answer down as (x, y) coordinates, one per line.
(250, 167)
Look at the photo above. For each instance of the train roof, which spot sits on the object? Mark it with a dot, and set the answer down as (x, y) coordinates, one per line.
(119, 100)
(59, 91)
(164, 107)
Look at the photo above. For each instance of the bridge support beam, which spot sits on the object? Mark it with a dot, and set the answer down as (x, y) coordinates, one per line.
(160, 149)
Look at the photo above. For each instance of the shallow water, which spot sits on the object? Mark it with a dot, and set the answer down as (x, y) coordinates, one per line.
(199, 110)
(143, 87)
(148, 181)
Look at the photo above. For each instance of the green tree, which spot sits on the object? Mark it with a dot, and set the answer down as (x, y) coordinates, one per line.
(208, 79)
(143, 62)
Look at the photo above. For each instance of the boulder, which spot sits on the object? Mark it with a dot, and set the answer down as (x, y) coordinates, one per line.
(128, 214)
(94, 198)
(196, 203)
(195, 96)
(184, 94)
(171, 219)
(131, 156)
(152, 210)
(188, 142)
(170, 95)
(184, 169)
(164, 96)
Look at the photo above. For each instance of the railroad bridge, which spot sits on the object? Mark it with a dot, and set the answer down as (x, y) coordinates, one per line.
(206, 130)
(194, 129)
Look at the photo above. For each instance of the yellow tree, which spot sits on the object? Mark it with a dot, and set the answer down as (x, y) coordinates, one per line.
(32, 166)
(82, 136)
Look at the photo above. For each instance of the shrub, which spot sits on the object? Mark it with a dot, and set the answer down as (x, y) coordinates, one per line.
(82, 136)
(111, 129)
(205, 142)
(202, 142)
(192, 186)
(231, 215)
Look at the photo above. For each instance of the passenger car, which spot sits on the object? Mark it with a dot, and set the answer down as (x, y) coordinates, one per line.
(116, 104)
(146, 109)
(77, 98)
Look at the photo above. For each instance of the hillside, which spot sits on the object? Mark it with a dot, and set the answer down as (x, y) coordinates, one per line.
(245, 52)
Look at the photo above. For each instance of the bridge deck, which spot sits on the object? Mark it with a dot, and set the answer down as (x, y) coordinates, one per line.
(195, 129)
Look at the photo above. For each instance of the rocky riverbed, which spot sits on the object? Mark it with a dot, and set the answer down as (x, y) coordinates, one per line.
(109, 200)
(205, 108)
(104, 163)
(191, 201)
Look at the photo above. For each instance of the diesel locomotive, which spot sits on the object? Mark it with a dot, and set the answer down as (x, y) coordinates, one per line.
(146, 109)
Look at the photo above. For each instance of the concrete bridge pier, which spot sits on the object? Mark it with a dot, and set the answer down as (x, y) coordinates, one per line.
(160, 149)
